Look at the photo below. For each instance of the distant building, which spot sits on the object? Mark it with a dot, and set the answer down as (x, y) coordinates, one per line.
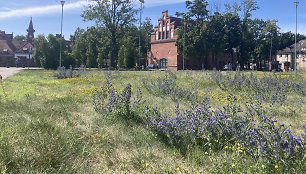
(165, 54)
(15, 52)
(285, 57)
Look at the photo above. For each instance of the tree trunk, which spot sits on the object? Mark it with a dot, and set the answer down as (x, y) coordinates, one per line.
(113, 50)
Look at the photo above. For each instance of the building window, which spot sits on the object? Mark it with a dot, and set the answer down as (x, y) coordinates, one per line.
(172, 34)
(156, 35)
(280, 55)
(168, 26)
(286, 55)
(160, 27)
(163, 63)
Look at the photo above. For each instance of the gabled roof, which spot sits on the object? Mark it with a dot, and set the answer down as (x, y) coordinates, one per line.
(300, 46)
(6, 48)
(11, 47)
(24, 47)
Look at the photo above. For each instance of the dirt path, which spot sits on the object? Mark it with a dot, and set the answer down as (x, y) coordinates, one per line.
(7, 72)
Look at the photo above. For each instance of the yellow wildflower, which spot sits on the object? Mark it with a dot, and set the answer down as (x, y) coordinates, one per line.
(178, 169)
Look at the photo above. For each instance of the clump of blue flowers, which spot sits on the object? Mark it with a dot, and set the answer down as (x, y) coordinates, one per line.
(166, 86)
(258, 134)
(269, 88)
(107, 99)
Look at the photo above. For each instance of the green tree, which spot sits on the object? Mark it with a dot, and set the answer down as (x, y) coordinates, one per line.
(232, 30)
(288, 38)
(52, 58)
(247, 45)
(215, 30)
(145, 34)
(40, 51)
(78, 41)
(192, 40)
(92, 35)
(46, 52)
(20, 38)
(122, 56)
(114, 15)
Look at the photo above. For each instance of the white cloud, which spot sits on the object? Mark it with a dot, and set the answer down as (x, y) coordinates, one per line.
(40, 10)
(6, 13)
(150, 3)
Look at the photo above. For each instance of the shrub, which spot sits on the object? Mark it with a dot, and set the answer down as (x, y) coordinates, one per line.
(62, 73)
(166, 86)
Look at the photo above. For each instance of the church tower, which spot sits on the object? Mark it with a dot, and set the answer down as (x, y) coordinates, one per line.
(30, 31)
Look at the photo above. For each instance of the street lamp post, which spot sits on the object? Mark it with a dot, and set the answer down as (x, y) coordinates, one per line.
(139, 41)
(30, 52)
(60, 61)
(295, 49)
(184, 44)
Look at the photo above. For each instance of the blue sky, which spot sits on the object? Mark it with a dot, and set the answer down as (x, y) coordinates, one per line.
(15, 14)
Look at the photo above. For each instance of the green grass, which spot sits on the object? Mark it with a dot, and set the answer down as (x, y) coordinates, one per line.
(49, 126)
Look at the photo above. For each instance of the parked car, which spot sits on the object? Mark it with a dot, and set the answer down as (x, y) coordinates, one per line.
(18, 63)
(229, 67)
(151, 66)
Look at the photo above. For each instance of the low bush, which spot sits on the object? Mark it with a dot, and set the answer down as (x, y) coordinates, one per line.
(63, 73)
(166, 86)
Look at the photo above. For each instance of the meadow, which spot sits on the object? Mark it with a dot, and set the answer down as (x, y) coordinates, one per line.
(153, 122)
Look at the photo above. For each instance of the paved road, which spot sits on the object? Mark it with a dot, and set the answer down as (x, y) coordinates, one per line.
(7, 72)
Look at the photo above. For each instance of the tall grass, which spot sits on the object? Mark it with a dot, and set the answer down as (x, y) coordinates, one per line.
(49, 125)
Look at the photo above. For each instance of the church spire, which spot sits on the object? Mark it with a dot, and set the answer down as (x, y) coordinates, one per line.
(30, 31)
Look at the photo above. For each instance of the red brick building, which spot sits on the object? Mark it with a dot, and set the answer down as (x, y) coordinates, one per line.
(17, 52)
(164, 53)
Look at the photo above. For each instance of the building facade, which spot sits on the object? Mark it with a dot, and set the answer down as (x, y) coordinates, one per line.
(17, 52)
(164, 52)
(286, 59)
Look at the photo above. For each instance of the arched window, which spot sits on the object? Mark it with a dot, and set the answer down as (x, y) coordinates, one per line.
(167, 30)
(163, 63)
(172, 33)
(156, 35)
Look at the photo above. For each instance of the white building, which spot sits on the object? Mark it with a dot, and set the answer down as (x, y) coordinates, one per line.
(285, 57)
